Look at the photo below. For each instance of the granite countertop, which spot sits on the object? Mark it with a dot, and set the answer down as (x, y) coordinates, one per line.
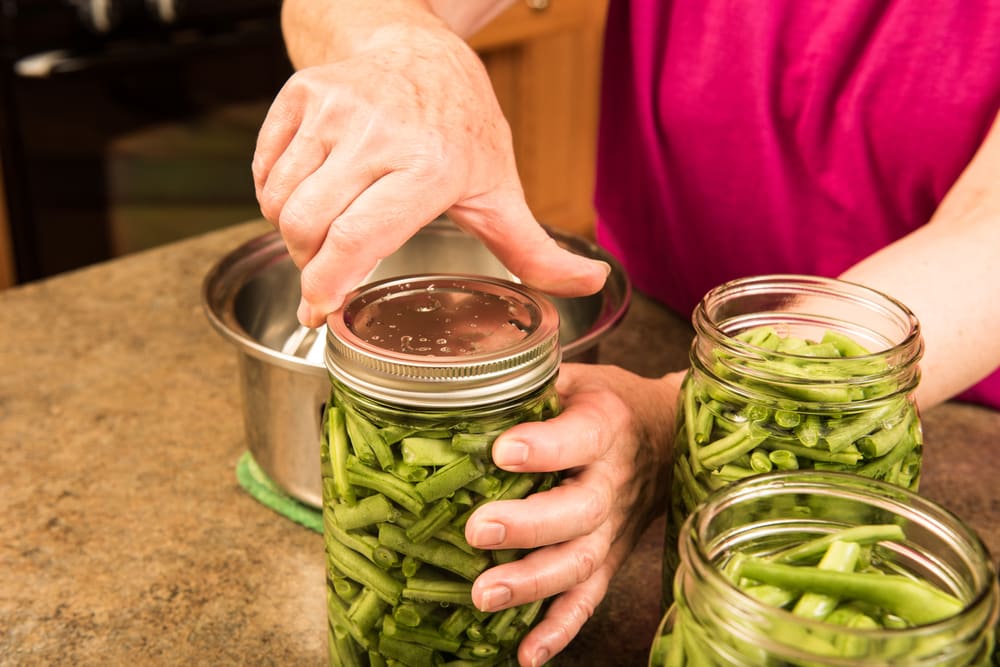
(126, 538)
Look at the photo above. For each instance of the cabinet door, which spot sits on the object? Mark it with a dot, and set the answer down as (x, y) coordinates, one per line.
(544, 61)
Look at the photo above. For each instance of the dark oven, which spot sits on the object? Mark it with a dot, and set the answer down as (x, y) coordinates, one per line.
(129, 123)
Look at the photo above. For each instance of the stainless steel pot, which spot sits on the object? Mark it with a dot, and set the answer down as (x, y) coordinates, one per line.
(251, 296)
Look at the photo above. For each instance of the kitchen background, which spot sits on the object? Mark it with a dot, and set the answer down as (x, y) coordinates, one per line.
(126, 124)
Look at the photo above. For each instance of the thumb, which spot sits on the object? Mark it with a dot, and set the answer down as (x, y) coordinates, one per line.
(511, 232)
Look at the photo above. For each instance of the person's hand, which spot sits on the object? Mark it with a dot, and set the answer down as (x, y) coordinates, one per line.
(356, 155)
(613, 437)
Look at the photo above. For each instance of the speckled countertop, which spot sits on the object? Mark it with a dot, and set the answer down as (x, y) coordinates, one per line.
(125, 538)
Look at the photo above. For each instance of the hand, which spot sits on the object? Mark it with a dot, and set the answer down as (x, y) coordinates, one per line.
(356, 155)
(613, 437)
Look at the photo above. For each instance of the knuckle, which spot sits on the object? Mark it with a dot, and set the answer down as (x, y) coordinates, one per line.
(313, 281)
(595, 506)
(586, 565)
(270, 205)
(578, 613)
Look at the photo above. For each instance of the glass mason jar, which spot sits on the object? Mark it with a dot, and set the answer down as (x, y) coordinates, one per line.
(794, 372)
(822, 569)
(425, 372)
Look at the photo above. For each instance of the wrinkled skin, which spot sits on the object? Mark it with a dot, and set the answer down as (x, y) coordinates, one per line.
(613, 437)
(358, 154)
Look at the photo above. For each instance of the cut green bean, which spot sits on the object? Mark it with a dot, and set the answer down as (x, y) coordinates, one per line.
(424, 451)
(480, 444)
(423, 635)
(412, 614)
(433, 552)
(372, 509)
(435, 518)
(366, 610)
(432, 589)
(450, 478)
(840, 557)
(362, 570)
(866, 534)
(916, 601)
(338, 447)
(395, 489)
(408, 653)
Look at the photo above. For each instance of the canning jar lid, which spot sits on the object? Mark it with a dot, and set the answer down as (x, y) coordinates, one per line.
(444, 340)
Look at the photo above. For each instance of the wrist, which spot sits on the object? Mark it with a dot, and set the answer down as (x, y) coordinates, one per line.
(318, 33)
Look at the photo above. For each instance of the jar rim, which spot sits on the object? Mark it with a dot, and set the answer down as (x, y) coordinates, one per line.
(489, 340)
(807, 285)
(790, 303)
(700, 551)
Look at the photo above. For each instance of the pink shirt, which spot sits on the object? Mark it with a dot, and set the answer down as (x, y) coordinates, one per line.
(798, 136)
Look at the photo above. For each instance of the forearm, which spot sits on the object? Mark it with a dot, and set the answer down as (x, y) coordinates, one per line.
(946, 272)
(320, 32)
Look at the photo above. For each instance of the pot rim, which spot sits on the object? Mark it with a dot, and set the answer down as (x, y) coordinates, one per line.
(230, 273)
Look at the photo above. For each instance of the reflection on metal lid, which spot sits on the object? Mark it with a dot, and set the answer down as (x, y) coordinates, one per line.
(444, 339)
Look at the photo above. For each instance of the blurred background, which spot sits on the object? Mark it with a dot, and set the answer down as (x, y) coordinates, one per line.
(127, 124)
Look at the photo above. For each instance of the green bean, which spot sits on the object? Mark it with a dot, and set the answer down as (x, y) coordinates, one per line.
(434, 589)
(499, 623)
(840, 557)
(916, 601)
(459, 620)
(385, 483)
(366, 610)
(424, 451)
(408, 653)
(343, 651)
(783, 459)
(364, 544)
(337, 615)
(338, 446)
(412, 614)
(480, 444)
(866, 534)
(477, 651)
(433, 552)
(845, 588)
(363, 570)
(423, 635)
(725, 449)
(435, 518)
(408, 472)
(346, 589)
(369, 510)
(411, 505)
(448, 479)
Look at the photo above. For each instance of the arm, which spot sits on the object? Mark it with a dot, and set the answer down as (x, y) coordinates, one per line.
(391, 121)
(946, 272)
(321, 32)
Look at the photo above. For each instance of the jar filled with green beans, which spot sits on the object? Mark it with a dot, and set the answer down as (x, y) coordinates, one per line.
(822, 569)
(794, 373)
(426, 371)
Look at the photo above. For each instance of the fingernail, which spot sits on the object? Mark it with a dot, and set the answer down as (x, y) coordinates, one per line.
(541, 655)
(606, 267)
(488, 534)
(304, 313)
(510, 453)
(496, 597)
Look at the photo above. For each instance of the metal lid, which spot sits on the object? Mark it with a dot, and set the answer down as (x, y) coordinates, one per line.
(444, 340)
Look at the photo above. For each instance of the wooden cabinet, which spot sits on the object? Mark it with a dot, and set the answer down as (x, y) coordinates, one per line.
(544, 58)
